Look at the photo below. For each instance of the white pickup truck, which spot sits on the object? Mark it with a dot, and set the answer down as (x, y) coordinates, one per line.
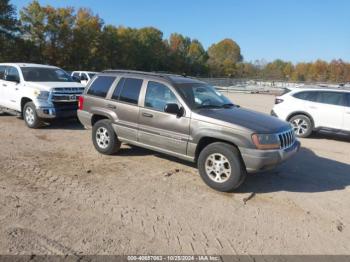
(83, 76)
(38, 93)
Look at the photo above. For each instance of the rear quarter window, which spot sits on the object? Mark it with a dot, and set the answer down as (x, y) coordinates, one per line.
(101, 86)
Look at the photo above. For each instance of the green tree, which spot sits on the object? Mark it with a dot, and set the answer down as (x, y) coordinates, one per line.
(197, 58)
(151, 49)
(34, 26)
(223, 57)
(87, 32)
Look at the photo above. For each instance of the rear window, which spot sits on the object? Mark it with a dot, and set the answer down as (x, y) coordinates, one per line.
(128, 90)
(101, 86)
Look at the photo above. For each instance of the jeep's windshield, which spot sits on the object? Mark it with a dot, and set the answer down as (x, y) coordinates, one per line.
(45, 74)
(199, 96)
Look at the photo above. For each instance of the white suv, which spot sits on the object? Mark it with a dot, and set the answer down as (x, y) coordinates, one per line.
(38, 93)
(313, 109)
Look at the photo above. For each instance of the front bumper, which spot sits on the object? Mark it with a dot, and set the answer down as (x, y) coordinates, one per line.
(62, 110)
(258, 160)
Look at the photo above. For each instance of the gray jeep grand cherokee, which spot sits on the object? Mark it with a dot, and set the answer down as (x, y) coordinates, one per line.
(185, 118)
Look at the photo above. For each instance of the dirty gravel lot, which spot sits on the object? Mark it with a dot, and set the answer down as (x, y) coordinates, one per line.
(59, 196)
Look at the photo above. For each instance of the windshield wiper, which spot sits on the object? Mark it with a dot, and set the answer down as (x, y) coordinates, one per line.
(228, 105)
(208, 106)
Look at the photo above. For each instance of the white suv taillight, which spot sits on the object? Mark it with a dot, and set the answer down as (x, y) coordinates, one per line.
(81, 103)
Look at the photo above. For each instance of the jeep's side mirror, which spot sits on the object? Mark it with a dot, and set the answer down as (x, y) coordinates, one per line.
(12, 78)
(174, 109)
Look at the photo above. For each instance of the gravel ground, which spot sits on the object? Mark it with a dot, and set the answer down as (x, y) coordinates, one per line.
(59, 196)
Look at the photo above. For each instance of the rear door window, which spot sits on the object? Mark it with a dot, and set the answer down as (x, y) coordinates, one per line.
(128, 90)
(100, 86)
(2, 72)
(331, 98)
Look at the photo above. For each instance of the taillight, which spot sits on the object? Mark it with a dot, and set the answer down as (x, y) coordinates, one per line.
(278, 101)
(81, 103)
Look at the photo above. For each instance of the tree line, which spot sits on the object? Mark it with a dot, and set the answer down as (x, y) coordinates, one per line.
(79, 40)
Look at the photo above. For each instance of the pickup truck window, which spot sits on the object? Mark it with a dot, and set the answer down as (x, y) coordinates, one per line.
(158, 95)
(101, 86)
(2, 72)
(12, 73)
(45, 74)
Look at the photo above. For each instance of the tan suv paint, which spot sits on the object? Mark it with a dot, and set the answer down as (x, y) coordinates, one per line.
(225, 140)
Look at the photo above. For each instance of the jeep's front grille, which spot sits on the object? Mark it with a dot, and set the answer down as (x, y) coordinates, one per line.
(66, 94)
(286, 138)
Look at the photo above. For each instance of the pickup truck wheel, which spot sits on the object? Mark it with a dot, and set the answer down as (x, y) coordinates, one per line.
(302, 125)
(104, 138)
(30, 116)
(221, 167)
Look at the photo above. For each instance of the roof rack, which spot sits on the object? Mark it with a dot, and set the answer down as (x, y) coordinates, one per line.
(161, 74)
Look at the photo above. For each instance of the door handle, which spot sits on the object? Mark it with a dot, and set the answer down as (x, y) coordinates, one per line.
(313, 107)
(4, 85)
(111, 106)
(147, 115)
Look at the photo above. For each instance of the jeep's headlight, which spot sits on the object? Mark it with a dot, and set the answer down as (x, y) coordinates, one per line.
(266, 141)
(42, 95)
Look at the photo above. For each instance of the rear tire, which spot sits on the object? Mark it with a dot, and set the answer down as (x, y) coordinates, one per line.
(221, 167)
(30, 116)
(104, 138)
(302, 125)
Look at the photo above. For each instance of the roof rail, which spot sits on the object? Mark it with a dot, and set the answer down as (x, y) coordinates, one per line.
(161, 74)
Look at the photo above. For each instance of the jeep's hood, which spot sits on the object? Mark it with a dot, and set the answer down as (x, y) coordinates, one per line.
(47, 86)
(244, 118)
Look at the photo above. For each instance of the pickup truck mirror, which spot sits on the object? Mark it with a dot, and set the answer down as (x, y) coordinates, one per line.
(12, 78)
(173, 108)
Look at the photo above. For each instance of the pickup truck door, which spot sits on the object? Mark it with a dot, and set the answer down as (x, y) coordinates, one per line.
(11, 89)
(159, 129)
(2, 82)
(346, 121)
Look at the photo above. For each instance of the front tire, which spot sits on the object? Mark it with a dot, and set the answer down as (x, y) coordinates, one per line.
(221, 167)
(302, 125)
(30, 116)
(104, 138)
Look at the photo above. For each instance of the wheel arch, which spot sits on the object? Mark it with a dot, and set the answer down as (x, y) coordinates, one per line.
(24, 100)
(301, 113)
(97, 117)
(207, 140)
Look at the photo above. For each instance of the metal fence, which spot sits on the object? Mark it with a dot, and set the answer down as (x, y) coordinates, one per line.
(231, 85)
